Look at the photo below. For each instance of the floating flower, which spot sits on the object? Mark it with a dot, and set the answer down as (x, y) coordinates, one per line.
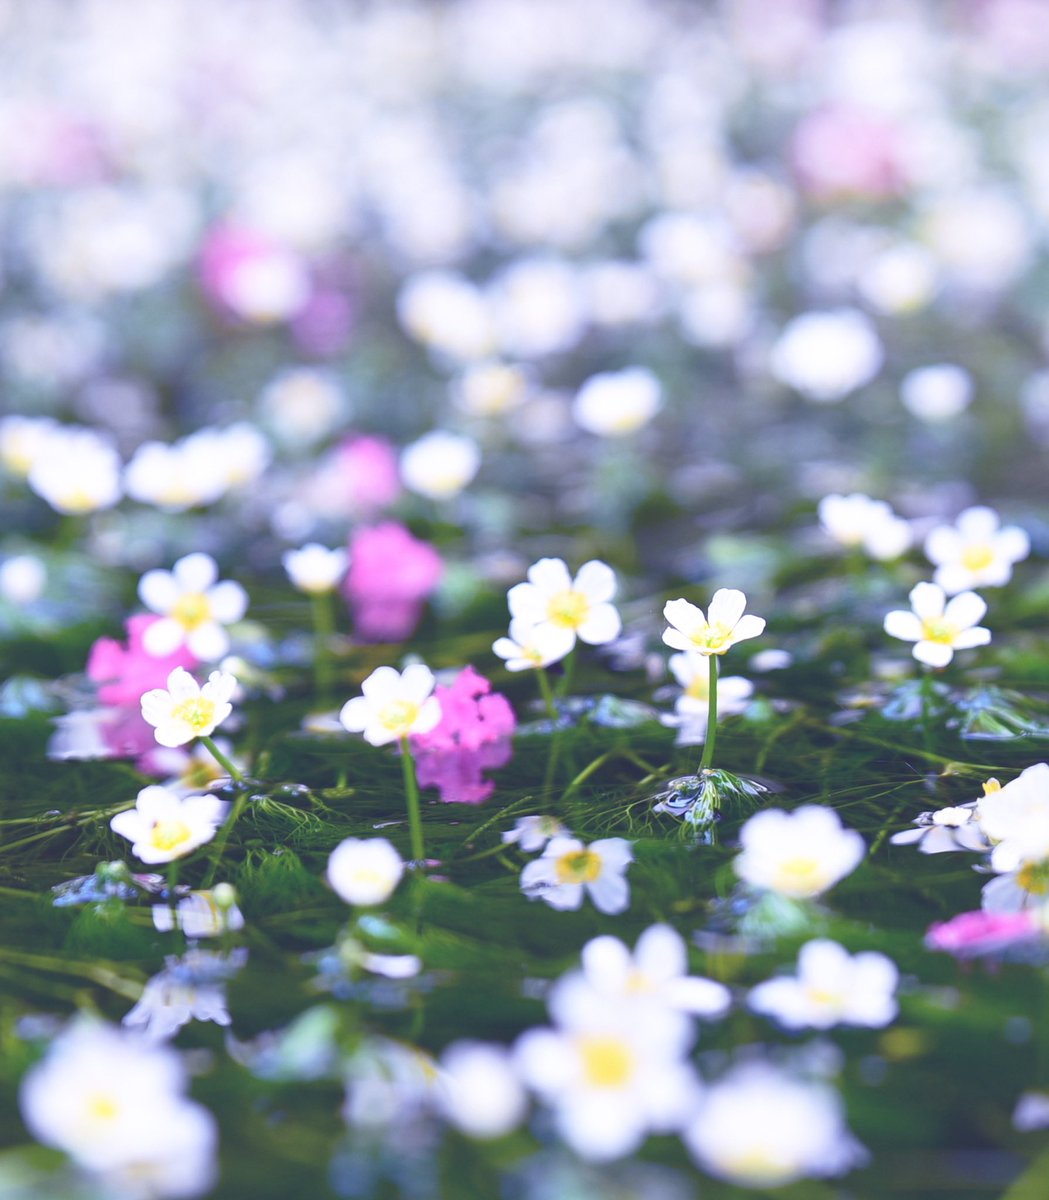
(185, 710)
(190, 988)
(123, 673)
(533, 832)
(194, 607)
(164, 826)
(724, 625)
(857, 520)
(391, 574)
(939, 626)
(530, 647)
(440, 464)
(946, 829)
(976, 551)
(364, 871)
(580, 606)
(208, 913)
(567, 869)
(831, 987)
(798, 854)
(393, 706)
(314, 568)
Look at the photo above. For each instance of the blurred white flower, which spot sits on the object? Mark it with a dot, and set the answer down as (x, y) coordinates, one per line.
(209, 913)
(900, 279)
(533, 832)
(798, 854)
(857, 520)
(164, 826)
(174, 477)
(190, 988)
(937, 393)
(1015, 818)
(537, 307)
(567, 869)
(303, 405)
(393, 705)
(76, 471)
(692, 708)
(185, 710)
(617, 403)
(981, 236)
(479, 1090)
(491, 388)
(446, 313)
(194, 607)
(580, 606)
(831, 987)
(364, 871)
(23, 578)
(760, 1127)
(21, 440)
(724, 625)
(826, 355)
(939, 626)
(529, 646)
(976, 551)
(314, 568)
(946, 829)
(439, 464)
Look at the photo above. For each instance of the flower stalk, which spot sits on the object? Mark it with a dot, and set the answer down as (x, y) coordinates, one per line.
(712, 715)
(225, 763)
(411, 796)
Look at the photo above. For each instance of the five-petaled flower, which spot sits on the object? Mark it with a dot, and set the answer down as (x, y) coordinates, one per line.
(939, 626)
(567, 869)
(194, 607)
(394, 704)
(164, 825)
(185, 710)
(581, 606)
(723, 626)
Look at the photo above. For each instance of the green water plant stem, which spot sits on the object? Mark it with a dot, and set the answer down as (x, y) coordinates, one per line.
(547, 692)
(231, 770)
(411, 796)
(566, 678)
(323, 629)
(712, 715)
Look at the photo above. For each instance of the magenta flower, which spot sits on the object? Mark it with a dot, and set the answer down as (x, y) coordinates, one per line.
(391, 574)
(370, 468)
(981, 932)
(123, 673)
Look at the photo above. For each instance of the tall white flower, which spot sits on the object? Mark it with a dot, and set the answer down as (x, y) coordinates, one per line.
(440, 464)
(798, 854)
(939, 626)
(185, 710)
(314, 568)
(393, 705)
(580, 606)
(724, 625)
(759, 1127)
(194, 607)
(364, 871)
(976, 551)
(529, 647)
(567, 869)
(164, 826)
(831, 987)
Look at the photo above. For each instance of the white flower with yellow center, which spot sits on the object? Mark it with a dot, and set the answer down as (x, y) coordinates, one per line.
(1015, 819)
(185, 710)
(394, 705)
(315, 569)
(529, 647)
(76, 471)
(194, 607)
(580, 606)
(831, 987)
(975, 551)
(723, 626)
(759, 1127)
(164, 826)
(365, 871)
(21, 440)
(440, 464)
(939, 626)
(692, 708)
(567, 869)
(531, 833)
(617, 403)
(799, 854)
(857, 520)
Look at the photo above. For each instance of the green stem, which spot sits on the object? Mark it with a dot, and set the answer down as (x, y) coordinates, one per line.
(548, 693)
(712, 715)
(411, 795)
(232, 771)
(323, 629)
(566, 678)
(219, 845)
(172, 885)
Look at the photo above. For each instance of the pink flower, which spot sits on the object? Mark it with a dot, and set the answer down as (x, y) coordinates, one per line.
(391, 574)
(981, 932)
(369, 466)
(123, 673)
(252, 276)
(458, 774)
(844, 152)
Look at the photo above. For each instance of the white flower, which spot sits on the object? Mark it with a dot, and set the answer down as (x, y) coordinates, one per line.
(439, 464)
(117, 1105)
(314, 568)
(538, 307)
(937, 393)
(692, 709)
(479, 1090)
(529, 647)
(173, 477)
(491, 388)
(393, 705)
(186, 710)
(388, 1082)
(532, 833)
(164, 826)
(857, 520)
(939, 626)
(946, 829)
(76, 471)
(610, 1077)
(798, 854)
(23, 578)
(831, 987)
(975, 551)
(194, 608)
(759, 1127)
(195, 769)
(617, 403)
(1015, 817)
(190, 988)
(580, 606)
(364, 871)
(826, 355)
(201, 914)
(303, 405)
(21, 440)
(444, 311)
(567, 868)
(724, 625)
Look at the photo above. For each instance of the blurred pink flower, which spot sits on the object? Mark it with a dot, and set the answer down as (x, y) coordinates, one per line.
(323, 325)
(982, 932)
(391, 574)
(371, 472)
(844, 152)
(252, 276)
(123, 673)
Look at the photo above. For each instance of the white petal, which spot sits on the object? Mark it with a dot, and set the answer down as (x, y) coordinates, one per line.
(615, 853)
(927, 600)
(195, 572)
(182, 685)
(163, 637)
(977, 636)
(228, 601)
(953, 577)
(355, 714)
(607, 963)
(158, 591)
(429, 716)
(903, 625)
(1012, 543)
(678, 641)
(208, 642)
(550, 576)
(699, 996)
(933, 654)
(726, 607)
(417, 682)
(383, 684)
(597, 581)
(683, 616)
(748, 626)
(527, 604)
(661, 953)
(965, 609)
(601, 625)
(610, 893)
(978, 524)
(943, 545)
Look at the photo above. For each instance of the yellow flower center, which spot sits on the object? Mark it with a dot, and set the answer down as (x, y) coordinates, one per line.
(568, 609)
(800, 876)
(199, 774)
(936, 629)
(699, 686)
(823, 998)
(712, 639)
(79, 500)
(192, 610)
(578, 866)
(607, 1062)
(167, 835)
(992, 785)
(978, 557)
(198, 712)
(101, 1106)
(399, 715)
(1034, 878)
(756, 1163)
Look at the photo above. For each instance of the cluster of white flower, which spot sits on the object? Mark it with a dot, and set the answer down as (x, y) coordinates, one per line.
(857, 520)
